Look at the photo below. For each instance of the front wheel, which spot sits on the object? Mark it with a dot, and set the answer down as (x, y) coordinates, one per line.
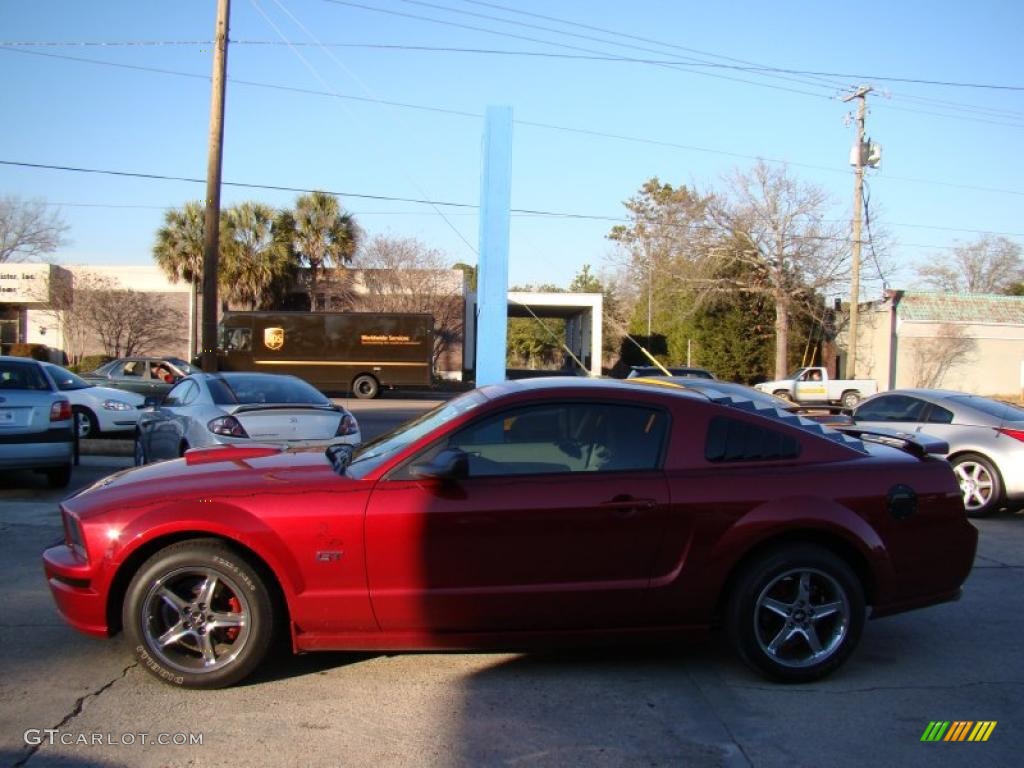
(86, 422)
(980, 483)
(850, 399)
(199, 615)
(796, 614)
(783, 394)
(365, 387)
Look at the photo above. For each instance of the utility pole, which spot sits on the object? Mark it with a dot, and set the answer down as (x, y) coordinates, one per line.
(858, 205)
(213, 167)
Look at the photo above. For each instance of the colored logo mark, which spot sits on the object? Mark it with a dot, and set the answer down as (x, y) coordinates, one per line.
(959, 730)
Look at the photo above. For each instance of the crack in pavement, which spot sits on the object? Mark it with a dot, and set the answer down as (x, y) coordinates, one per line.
(75, 712)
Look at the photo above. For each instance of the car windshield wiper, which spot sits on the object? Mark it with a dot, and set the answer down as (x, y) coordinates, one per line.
(340, 456)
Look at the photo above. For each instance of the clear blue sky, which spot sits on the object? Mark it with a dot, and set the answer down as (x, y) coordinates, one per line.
(952, 155)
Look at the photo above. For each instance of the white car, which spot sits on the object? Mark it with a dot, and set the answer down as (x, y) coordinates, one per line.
(98, 410)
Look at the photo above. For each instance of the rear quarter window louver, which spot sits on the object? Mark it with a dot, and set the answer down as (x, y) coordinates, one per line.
(736, 440)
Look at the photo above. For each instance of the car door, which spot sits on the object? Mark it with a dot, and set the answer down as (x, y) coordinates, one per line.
(556, 525)
(133, 375)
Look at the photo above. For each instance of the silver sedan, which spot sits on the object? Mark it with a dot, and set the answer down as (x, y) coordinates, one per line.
(207, 409)
(985, 437)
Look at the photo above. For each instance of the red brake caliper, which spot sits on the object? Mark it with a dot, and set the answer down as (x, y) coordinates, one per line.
(236, 607)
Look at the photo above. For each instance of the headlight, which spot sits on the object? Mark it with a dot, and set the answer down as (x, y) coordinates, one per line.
(117, 405)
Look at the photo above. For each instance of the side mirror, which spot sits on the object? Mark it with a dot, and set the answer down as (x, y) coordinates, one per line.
(449, 464)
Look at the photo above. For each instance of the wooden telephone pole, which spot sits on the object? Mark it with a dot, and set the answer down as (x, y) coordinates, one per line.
(858, 206)
(213, 167)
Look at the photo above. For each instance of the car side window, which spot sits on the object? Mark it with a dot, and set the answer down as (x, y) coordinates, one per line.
(134, 368)
(892, 408)
(561, 438)
(939, 415)
(117, 371)
(183, 393)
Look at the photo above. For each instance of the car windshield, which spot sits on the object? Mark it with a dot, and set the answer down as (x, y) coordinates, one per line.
(248, 389)
(372, 454)
(66, 380)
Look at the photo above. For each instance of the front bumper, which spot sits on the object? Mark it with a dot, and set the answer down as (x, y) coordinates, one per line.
(71, 583)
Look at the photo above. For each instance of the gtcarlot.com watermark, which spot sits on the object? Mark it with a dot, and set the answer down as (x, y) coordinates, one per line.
(35, 737)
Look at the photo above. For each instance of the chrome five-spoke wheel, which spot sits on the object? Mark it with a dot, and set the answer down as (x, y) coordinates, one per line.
(199, 614)
(196, 620)
(980, 483)
(801, 617)
(795, 613)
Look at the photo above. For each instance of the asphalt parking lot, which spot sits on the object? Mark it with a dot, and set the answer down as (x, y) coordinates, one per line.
(66, 699)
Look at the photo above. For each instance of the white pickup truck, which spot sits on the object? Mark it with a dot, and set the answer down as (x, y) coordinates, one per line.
(812, 386)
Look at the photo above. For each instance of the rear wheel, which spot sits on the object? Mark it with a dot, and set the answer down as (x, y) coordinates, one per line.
(199, 615)
(850, 399)
(980, 483)
(365, 387)
(796, 613)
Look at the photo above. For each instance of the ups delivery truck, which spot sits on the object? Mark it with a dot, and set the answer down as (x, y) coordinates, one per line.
(358, 352)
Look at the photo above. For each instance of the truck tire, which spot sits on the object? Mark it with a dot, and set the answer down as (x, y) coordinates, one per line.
(365, 387)
(850, 399)
(783, 394)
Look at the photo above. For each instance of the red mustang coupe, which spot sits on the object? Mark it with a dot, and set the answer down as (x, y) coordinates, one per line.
(520, 515)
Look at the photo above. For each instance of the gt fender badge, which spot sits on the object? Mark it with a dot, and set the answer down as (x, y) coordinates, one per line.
(328, 556)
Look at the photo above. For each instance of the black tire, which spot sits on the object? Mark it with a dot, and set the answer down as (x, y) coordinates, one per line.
(980, 483)
(783, 394)
(850, 399)
(365, 387)
(59, 477)
(213, 607)
(85, 422)
(770, 615)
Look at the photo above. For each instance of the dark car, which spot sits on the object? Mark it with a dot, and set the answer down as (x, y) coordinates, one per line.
(35, 421)
(145, 375)
(521, 514)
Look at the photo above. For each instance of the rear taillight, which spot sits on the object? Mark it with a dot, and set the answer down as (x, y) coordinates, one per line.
(228, 426)
(347, 426)
(60, 411)
(1016, 434)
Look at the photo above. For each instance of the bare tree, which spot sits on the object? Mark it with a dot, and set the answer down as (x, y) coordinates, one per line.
(988, 265)
(404, 275)
(777, 235)
(65, 314)
(935, 357)
(28, 229)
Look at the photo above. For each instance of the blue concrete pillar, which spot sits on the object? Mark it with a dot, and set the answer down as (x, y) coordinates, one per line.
(492, 270)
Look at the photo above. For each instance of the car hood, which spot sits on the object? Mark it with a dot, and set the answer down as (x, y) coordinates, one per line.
(209, 473)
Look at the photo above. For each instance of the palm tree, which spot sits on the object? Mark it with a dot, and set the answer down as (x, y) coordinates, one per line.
(178, 251)
(323, 235)
(256, 257)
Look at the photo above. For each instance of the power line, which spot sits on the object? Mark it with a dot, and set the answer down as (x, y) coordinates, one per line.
(527, 123)
(448, 49)
(386, 198)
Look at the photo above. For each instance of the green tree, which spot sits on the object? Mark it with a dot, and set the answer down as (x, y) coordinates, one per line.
(256, 257)
(178, 251)
(322, 236)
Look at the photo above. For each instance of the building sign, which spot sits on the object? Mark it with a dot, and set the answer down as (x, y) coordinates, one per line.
(24, 283)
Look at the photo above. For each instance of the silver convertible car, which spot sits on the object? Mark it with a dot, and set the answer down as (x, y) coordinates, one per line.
(985, 437)
(207, 409)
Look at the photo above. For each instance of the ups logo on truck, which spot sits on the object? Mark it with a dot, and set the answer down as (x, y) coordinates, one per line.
(273, 338)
